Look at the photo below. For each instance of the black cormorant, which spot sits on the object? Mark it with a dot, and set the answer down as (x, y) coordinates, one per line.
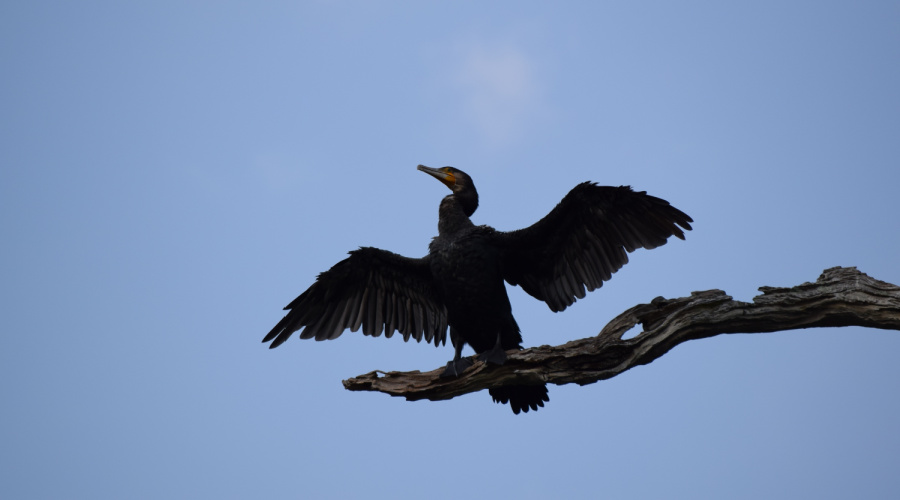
(460, 283)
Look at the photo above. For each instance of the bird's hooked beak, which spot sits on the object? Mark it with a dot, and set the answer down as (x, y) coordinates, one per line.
(441, 174)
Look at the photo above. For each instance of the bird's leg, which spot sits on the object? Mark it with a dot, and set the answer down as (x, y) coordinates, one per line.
(496, 355)
(459, 364)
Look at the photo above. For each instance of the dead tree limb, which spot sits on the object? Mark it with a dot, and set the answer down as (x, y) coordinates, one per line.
(840, 297)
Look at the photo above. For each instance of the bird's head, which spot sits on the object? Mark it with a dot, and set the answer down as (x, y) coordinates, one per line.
(459, 182)
(453, 178)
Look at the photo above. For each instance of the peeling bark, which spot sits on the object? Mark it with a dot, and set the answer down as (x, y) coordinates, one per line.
(840, 297)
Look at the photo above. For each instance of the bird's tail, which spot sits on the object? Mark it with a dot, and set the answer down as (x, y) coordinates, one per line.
(521, 397)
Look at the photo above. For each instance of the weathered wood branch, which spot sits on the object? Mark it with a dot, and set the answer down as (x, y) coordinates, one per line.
(840, 297)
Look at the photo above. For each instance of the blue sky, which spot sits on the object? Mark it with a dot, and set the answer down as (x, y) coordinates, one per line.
(173, 173)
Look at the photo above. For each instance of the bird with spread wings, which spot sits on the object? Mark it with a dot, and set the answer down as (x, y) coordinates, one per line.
(459, 284)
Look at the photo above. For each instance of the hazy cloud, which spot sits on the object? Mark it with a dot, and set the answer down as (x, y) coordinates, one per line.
(498, 88)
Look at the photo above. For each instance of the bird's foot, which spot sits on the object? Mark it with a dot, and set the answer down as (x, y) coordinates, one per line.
(456, 367)
(495, 356)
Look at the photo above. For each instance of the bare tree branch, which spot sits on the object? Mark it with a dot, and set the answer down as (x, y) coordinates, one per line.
(840, 297)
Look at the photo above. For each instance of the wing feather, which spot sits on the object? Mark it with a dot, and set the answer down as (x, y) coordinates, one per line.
(390, 319)
(379, 312)
(360, 310)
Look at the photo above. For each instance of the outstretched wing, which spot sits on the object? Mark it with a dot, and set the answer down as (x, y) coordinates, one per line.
(584, 240)
(374, 289)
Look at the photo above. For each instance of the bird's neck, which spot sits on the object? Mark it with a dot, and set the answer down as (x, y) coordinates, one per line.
(455, 212)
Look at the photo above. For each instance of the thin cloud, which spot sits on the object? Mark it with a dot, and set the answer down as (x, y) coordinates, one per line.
(498, 88)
